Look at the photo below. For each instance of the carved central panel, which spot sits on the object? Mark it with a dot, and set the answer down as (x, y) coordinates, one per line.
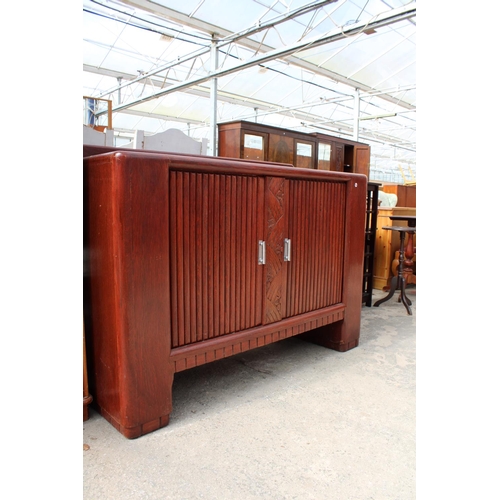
(275, 286)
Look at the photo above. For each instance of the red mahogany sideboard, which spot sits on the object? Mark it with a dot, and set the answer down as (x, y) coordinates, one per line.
(190, 259)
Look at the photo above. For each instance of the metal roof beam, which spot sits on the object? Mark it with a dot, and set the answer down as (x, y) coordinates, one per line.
(226, 35)
(340, 126)
(227, 40)
(383, 19)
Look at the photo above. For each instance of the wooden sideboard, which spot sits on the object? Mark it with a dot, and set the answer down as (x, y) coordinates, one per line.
(191, 259)
(255, 141)
(387, 243)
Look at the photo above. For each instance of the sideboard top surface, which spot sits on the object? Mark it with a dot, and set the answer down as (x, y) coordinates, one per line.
(210, 164)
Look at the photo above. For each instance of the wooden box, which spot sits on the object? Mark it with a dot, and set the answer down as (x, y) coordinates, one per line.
(193, 259)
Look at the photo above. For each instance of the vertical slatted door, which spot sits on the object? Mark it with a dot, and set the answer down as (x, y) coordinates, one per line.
(316, 229)
(216, 280)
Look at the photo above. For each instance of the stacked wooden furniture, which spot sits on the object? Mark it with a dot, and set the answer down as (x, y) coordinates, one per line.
(387, 245)
(255, 141)
(192, 259)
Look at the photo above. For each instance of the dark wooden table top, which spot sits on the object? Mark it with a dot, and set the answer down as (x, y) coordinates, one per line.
(406, 229)
(411, 219)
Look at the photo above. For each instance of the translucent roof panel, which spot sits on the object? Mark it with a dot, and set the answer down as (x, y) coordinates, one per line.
(300, 64)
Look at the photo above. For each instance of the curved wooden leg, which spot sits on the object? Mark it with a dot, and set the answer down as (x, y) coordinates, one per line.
(404, 299)
(406, 296)
(394, 286)
(399, 282)
(408, 301)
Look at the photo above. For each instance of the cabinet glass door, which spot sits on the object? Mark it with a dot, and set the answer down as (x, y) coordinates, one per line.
(304, 154)
(324, 156)
(254, 146)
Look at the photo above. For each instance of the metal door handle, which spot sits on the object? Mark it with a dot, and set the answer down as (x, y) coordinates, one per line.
(262, 252)
(287, 250)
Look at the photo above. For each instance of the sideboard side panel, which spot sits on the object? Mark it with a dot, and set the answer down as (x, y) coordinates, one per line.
(101, 304)
(346, 332)
(344, 335)
(138, 397)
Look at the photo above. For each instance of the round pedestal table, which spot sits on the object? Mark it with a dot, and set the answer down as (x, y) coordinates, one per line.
(399, 282)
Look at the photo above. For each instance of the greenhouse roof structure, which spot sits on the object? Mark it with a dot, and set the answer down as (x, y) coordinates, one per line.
(341, 67)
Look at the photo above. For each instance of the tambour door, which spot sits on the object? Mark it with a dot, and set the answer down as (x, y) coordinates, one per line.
(305, 237)
(216, 223)
(314, 250)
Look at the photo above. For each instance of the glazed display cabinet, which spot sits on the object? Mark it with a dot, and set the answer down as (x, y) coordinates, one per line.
(255, 141)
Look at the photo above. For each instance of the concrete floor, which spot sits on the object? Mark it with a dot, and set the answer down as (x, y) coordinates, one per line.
(291, 420)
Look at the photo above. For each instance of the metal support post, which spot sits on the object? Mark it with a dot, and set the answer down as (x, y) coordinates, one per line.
(214, 64)
(355, 124)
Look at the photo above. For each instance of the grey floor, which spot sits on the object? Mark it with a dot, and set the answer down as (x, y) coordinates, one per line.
(291, 420)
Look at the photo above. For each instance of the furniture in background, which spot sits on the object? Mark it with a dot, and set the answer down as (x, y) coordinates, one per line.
(171, 140)
(370, 237)
(387, 200)
(255, 141)
(94, 137)
(399, 282)
(410, 270)
(409, 252)
(193, 259)
(387, 244)
(407, 195)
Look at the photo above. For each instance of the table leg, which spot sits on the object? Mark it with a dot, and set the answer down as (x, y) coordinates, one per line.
(403, 298)
(408, 263)
(393, 288)
(399, 282)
